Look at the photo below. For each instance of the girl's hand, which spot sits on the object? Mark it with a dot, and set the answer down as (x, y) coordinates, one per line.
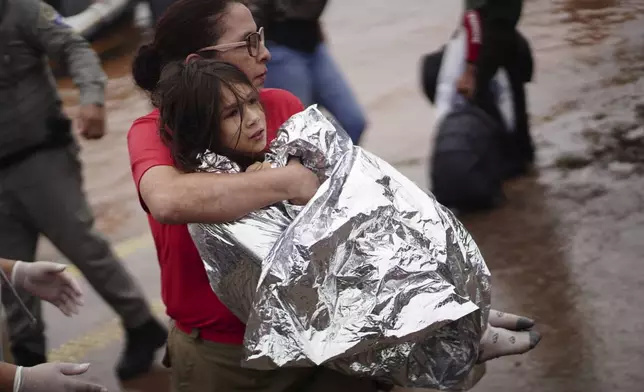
(257, 166)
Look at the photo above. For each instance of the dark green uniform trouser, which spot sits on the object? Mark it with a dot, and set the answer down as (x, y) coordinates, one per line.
(6, 343)
(203, 366)
(42, 194)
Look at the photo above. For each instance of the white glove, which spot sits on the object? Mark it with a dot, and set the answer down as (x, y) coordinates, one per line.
(53, 377)
(50, 282)
(507, 334)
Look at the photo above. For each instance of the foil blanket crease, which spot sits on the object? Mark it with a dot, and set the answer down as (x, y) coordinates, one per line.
(373, 277)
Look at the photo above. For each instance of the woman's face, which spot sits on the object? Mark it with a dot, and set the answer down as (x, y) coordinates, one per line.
(237, 23)
(243, 133)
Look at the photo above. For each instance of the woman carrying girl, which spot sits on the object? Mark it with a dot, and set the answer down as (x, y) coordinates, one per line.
(207, 105)
(205, 343)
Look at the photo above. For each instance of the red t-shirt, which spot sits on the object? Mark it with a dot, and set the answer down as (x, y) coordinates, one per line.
(185, 289)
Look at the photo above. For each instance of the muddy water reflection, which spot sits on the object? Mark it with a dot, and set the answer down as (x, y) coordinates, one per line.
(592, 20)
(526, 247)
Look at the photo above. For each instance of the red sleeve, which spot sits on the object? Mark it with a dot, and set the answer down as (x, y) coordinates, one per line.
(472, 24)
(146, 148)
(294, 104)
(279, 106)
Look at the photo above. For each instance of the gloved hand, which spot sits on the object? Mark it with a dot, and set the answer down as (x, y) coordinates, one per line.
(507, 334)
(50, 282)
(53, 377)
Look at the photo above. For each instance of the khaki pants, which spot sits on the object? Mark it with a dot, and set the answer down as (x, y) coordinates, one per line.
(203, 366)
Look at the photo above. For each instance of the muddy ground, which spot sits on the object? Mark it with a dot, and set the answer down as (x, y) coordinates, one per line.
(566, 249)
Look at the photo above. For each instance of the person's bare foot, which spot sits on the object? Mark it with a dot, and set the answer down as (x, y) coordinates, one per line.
(507, 334)
(509, 321)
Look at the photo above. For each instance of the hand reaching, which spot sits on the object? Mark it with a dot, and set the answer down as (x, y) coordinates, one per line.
(50, 282)
(54, 377)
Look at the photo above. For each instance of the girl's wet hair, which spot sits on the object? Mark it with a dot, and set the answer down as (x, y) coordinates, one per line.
(189, 98)
(185, 27)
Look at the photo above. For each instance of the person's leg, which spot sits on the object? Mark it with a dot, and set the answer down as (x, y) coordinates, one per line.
(54, 200)
(516, 72)
(18, 242)
(333, 92)
(491, 57)
(288, 70)
(498, 50)
(7, 356)
(198, 365)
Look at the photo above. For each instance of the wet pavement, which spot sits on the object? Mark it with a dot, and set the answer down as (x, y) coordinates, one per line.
(567, 247)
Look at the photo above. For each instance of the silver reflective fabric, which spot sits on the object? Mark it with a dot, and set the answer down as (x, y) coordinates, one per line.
(373, 277)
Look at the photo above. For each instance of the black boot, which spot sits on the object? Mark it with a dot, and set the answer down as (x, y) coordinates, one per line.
(22, 356)
(141, 345)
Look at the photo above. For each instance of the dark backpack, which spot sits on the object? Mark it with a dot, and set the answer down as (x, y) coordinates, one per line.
(467, 161)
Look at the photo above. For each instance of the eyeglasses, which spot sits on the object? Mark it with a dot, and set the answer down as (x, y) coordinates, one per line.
(253, 43)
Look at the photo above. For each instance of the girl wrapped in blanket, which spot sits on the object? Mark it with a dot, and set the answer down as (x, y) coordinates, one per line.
(212, 106)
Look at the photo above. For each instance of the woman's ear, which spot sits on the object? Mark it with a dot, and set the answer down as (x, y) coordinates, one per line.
(191, 57)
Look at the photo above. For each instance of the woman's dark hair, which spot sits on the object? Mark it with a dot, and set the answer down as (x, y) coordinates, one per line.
(185, 27)
(189, 100)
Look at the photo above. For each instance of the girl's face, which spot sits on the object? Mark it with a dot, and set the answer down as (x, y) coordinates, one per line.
(242, 132)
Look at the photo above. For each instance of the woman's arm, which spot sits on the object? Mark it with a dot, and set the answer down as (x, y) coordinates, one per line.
(173, 197)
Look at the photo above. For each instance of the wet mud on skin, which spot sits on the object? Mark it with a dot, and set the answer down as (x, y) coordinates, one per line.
(566, 249)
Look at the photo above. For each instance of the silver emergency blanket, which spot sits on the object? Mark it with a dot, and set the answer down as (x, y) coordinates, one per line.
(372, 277)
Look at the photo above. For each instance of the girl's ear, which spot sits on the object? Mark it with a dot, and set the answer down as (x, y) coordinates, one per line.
(191, 57)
